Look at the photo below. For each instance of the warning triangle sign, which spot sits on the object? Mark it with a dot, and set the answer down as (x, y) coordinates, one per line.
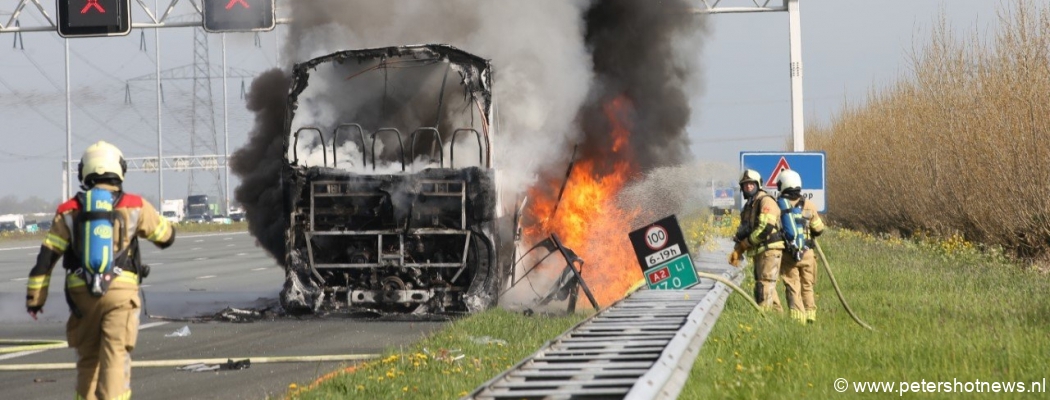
(781, 165)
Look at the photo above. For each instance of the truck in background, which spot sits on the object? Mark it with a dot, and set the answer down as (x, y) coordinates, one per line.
(201, 209)
(12, 223)
(173, 210)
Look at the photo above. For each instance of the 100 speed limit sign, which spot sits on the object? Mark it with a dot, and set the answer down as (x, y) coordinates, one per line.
(656, 237)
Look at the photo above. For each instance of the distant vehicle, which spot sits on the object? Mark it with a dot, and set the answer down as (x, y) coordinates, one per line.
(201, 204)
(44, 225)
(18, 220)
(197, 219)
(9, 227)
(173, 210)
(237, 216)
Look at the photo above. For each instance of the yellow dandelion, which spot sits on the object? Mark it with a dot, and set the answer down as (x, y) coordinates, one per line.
(360, 387)
(718, 359)
(739, 368)
(404, 389)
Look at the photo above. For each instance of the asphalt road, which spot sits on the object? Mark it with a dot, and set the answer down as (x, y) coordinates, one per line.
(200, 274)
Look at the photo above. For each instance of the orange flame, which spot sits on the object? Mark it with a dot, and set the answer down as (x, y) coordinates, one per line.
(588, 218)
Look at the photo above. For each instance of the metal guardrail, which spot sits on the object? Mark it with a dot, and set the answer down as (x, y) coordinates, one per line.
(642, 347)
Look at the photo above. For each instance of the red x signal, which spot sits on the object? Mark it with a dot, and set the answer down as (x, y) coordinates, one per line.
(94, 4)
(233, 2)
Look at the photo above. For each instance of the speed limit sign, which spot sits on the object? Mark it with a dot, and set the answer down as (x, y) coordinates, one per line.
(656, 237)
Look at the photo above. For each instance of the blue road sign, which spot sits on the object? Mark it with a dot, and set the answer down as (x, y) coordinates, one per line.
(809, 165)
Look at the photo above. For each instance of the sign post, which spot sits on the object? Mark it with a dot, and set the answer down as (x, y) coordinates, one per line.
(809, 165)
(663, 255)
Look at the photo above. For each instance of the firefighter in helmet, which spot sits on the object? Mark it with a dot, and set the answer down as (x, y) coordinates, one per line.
(758, 236)
(801, 224)
(96, 234)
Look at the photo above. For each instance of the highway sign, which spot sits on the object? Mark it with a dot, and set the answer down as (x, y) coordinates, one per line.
(663, 255)
(809, 165)
(679, 273)
(723, 197)
(87, 18)
(238, 15)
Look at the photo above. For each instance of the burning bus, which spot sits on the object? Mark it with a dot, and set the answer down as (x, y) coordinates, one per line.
(388, 183)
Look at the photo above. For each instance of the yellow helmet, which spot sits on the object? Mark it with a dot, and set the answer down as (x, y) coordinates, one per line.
(101, 160)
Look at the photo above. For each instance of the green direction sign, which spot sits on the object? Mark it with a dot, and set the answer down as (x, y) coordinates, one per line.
(677, 273)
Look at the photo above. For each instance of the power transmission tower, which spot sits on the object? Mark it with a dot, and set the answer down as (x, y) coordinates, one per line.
(203, 137)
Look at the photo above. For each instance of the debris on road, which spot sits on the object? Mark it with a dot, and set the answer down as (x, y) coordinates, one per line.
(181, 332)
(230, 365)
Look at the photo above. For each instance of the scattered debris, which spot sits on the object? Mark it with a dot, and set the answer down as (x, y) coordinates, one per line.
(181, 332)
(230, 365)
(487, 340)
(231, 314)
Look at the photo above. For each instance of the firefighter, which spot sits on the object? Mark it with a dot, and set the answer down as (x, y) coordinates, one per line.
(758, 236)
(801, 224)
(96, 235)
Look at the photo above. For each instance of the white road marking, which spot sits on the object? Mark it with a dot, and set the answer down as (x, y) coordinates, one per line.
(20, 279)
(230, 245)
(20, 248)
(142, 286)
(198, 241)
(195, 249)
(259, 269)
(206, 277)
(200, 258)
(242, 254)
(152, 324)
(227, 238)
(31, 254)
(19, 354)
(214, 234)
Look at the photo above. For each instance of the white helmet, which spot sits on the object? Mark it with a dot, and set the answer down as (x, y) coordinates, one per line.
(750, 176)
(101, 160)
(788, 180)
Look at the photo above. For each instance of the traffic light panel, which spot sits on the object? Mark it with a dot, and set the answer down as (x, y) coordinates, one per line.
(238, 15)
(85, 18)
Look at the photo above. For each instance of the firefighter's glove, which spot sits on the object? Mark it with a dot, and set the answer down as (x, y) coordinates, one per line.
(735, 257)
(34, 310)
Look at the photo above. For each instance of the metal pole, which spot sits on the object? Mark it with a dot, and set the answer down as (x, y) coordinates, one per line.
(160, 142)
(225, 131)
(66, 188)
(795, 41)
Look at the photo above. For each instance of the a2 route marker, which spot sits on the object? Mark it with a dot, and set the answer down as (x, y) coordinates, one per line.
(663, 255)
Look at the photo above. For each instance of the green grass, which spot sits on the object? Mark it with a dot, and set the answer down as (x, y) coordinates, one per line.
(445, 365)
(941, 312)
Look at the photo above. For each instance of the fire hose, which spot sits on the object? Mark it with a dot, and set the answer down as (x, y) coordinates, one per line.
(838, 291)
(20, 345)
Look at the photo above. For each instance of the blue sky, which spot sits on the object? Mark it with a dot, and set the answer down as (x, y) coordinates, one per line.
(848, 47)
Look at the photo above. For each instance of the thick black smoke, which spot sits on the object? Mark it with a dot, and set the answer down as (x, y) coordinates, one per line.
(259, 162)
(642, 52)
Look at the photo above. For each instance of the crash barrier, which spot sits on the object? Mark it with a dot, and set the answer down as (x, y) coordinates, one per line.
(642, 347)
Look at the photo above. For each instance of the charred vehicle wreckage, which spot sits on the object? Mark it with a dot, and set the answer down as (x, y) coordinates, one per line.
(389, 186)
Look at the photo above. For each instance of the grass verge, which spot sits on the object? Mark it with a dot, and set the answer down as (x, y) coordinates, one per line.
(942, 313)
(445, 365)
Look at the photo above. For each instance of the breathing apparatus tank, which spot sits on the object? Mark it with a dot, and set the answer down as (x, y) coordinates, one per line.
(97, 242)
